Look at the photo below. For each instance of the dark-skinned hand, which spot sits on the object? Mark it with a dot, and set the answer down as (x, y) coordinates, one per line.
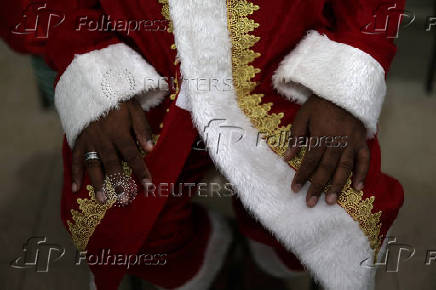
(323, 164)
(113, 137)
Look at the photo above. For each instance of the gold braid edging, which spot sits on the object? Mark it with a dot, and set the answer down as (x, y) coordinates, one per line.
(166, 14)
(90, 213)
(240, 27)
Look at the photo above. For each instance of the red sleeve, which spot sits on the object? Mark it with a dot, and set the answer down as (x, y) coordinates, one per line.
(345, 60)
(51, 29)
(369, 25)
(70, 38)
(23, 25)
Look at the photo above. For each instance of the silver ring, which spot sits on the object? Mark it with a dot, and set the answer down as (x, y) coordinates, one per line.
(92, 155)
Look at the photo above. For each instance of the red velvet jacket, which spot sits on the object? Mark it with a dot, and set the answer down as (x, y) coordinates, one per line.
(277, 53)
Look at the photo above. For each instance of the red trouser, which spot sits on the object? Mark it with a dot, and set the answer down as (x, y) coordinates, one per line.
(183, 229)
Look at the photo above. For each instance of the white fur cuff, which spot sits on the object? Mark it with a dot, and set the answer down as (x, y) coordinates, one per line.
(342, 74)
(95, 82)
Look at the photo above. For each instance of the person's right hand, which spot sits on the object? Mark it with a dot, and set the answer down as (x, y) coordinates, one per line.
(113, 136)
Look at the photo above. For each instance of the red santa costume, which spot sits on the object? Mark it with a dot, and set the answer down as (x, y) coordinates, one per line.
(276, 54)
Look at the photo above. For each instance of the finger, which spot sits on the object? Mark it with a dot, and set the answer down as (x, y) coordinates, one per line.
(343, 171)
(131, 155)
(141, 127)
(77, 165)
(108, 155)
(322, 175)
(310, 163)
(96, 176)
(362, 167)
(298, 131)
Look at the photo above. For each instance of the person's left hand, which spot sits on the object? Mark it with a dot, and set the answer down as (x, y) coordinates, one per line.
(322, 120)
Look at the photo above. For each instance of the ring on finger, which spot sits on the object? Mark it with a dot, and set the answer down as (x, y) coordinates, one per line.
(91, 155)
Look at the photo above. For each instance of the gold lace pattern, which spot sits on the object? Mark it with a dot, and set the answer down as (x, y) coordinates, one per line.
(90, 213)
(268, 125)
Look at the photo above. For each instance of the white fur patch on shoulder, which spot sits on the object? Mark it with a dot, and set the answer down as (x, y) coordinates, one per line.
(340, 73)
(97, 81)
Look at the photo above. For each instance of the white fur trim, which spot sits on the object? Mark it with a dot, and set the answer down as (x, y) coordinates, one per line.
(326, 239)
(267, 260)
(182, 99)
(340, 73)
(97, 81)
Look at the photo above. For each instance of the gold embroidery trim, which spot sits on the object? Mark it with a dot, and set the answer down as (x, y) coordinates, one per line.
(166, 14)
(90, 214)
(269, 126)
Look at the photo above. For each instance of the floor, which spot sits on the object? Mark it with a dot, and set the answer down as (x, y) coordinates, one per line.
(30, 173)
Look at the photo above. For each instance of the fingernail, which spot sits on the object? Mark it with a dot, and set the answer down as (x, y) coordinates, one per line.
(74, 187)
(331, 198)
(101, 197)
(296, 187)
(312, 201)
(150, 145)
(359, 186)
